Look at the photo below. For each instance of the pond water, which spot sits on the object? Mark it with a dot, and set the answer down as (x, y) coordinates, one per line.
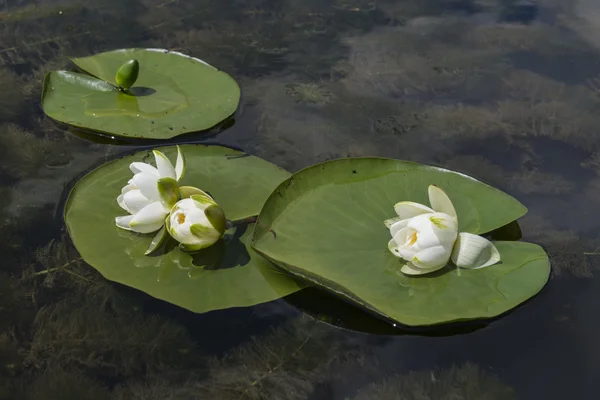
(507, 91)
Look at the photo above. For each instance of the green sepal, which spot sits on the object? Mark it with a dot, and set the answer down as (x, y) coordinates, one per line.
(201, 231)
(169, 191)
(180, 165)
(216, 216)
(127, 74)
(203, 199)
(189, 191)
(158, 240)
(168, 222)
(190, 248)
(389, 222)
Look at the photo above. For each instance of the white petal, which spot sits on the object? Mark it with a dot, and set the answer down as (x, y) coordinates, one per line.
(134, 201)
(128, 187)
(444, 227)
(474, 251)
(405, 248)
(164, 165)
(434, 230)
(137, 167)
(409, 209)
(123, 222)
(433, 257)
(440, 201)
(147, 184)
(393, 247)
(180, 164)
(411, 269)
(121, 202)
(149, 219)
(389, 222)
(395, 228)
(180, 231)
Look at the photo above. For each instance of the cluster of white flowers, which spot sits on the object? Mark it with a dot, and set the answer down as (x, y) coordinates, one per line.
(153, 199)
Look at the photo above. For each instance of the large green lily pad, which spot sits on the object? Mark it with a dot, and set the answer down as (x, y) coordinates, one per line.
(325, 225)
(239, 183)
(174, 94)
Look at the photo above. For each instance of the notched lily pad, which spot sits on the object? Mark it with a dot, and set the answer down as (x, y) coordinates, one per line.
(228, 274)
(325, 225)
(172, 95)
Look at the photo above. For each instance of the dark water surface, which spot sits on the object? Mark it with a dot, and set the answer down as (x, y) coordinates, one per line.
(507, 91)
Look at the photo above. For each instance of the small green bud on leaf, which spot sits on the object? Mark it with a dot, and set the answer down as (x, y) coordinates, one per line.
(127, 74)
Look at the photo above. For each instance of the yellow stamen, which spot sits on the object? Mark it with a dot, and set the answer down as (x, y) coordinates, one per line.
(411, 239)
(181, 218)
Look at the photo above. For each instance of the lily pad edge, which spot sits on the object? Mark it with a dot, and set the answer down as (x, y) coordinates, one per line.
(361, 304)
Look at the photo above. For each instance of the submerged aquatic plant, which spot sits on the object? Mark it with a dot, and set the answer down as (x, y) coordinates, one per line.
(16, 310)
(310, 93)
(12, 98)
(467, 381)
(24, 153)
(11, 363)
(58, 383)
(118, 343)
(286, 363)
(570, 253)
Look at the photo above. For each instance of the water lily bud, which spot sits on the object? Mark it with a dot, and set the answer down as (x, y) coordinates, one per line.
(196, 222)
(127, 74)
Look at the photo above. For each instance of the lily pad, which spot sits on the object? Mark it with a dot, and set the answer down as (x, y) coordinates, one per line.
(174, 94)
(325, 225)
(229, 274)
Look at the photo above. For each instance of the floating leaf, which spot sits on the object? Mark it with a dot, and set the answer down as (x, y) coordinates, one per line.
(228, 274)
(325, 225)
(173, 94)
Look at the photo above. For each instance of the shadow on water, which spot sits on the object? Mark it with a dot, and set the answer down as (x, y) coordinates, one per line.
(332, 310)
(141, 91)
(228, 252)
(104, 138)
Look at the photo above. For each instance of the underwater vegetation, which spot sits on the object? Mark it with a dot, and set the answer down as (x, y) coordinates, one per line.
(12, 99)
(467, 381)
(25, 153)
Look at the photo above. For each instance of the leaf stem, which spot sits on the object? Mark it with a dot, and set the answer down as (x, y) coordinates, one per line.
(242, 222)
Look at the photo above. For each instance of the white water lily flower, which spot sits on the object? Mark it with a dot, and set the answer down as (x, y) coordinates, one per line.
(196, 222)
(427, 238)
(150, 194)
